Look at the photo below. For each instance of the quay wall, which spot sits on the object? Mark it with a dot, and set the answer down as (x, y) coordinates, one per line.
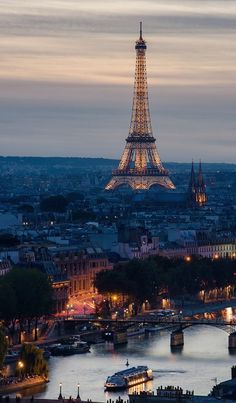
(25, 384)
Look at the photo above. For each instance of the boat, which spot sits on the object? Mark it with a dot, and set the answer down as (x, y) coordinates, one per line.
(70, 349)
(128, 378)
(46, 354)
(11, 356)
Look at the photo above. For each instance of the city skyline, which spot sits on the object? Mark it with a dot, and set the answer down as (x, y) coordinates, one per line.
(66, 77)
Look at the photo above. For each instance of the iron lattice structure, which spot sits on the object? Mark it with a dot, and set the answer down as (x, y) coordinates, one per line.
(140, 166)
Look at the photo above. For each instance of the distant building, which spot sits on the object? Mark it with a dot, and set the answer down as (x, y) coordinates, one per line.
(197, 189)
(39, 256)
(225, 248)
(136, 243)
(80, 267)
(213, 249)
(105, 237)
(11, 254)
(9, 220)
(5, 266)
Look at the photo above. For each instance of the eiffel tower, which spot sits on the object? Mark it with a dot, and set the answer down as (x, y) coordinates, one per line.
(140, 166)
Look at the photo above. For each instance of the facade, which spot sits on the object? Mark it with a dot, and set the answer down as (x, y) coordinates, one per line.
(210, 249)
(5, 266)
(136, 243)
(219, 249)
(140, 166)
(39, 256)
(80, 267)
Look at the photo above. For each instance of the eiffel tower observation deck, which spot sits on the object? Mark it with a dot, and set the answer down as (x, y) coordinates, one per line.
(140, 166)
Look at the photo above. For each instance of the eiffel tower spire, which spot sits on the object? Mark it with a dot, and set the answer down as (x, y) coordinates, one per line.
(140, 166)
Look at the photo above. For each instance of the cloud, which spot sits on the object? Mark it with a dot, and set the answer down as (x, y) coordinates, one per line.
(67, 70)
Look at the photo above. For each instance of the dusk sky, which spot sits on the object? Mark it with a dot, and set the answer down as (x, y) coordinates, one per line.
(67, 72)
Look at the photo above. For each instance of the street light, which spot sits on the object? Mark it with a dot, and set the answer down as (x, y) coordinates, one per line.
(60, 394)
(78, 395)
(20, 366)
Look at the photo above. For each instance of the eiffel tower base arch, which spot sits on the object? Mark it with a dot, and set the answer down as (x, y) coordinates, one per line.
(140, 182)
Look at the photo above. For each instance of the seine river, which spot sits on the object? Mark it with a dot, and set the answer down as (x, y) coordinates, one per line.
(203, 361)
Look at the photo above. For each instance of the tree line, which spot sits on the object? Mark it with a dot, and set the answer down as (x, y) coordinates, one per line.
(146, 279)
(25, 296)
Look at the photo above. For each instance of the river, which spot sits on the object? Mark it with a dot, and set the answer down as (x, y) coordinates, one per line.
(204, 357)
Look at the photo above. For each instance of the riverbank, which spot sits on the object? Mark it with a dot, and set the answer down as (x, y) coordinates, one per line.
(17, 386)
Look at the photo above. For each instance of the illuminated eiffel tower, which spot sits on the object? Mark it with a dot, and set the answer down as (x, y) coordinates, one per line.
(140, 166)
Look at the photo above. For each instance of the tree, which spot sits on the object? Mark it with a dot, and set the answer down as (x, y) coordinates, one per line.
(8, 306)
(26, 208)
(74, 196)
(8, 240)
(145, 279)
(31, 296)
(3, 346)
(83, 215)
(55, 204)
(32, 361)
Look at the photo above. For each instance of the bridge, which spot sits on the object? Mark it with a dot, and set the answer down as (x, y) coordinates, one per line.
(176, 323)
(155, 320)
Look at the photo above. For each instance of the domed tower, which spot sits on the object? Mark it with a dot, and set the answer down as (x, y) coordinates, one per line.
(140, 166)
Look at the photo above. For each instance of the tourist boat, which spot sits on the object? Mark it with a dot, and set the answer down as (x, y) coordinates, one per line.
(70, 349)
(128, 378)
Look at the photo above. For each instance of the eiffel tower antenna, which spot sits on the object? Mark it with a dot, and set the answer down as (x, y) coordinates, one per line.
(140, 166)
(140, 30)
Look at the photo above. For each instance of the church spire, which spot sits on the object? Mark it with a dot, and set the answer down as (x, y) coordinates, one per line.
(201, 196)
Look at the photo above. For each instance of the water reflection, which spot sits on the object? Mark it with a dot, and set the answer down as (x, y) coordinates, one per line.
(176, 350)
(204, 356)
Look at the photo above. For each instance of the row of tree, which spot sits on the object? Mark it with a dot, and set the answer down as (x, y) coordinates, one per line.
(25, 296)
(146, 279)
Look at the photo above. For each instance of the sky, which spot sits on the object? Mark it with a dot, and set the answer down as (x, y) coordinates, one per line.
(67, 73)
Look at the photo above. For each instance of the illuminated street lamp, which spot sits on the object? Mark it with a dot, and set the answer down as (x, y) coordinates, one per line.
(60, 394)
(20, 366)
(78, 395)
(188, 258)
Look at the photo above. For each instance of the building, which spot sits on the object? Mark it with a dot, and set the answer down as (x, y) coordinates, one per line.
(136, 243)
(80, 267)
(197, 189)
(215, 249)
(40, 257)
(5, 266)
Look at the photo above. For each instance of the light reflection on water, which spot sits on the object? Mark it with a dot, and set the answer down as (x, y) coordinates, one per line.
(204, 357)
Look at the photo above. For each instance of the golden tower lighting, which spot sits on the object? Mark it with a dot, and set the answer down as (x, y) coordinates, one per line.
(140, 166)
